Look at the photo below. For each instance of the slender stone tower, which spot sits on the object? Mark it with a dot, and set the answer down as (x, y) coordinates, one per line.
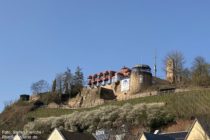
(170, 68)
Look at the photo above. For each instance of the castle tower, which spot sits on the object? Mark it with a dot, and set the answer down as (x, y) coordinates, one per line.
(141, 78)
(170, 71)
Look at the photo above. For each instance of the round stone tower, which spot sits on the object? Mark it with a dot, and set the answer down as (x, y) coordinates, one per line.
(140, 79)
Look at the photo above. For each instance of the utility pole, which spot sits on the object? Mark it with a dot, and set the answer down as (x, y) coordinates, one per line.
(155, 65)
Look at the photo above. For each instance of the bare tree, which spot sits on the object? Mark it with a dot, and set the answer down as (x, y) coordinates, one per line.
(64, 81)
(70, 83)
(78, 81)
(186, 76)
(68, 80)
(59, 82)
(40, 87)
(54, 86)
(179, 60)
(200, 72)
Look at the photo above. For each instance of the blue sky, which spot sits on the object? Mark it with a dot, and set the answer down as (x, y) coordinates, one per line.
(40, 38)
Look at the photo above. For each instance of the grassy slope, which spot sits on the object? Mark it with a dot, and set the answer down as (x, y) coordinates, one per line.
(43, 112)
(14, 117)
(182, 105)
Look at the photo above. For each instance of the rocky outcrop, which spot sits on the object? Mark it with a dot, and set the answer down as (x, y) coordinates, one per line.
(88, 98)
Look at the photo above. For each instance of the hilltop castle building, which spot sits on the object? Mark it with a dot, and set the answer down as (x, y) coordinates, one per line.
(128, 80)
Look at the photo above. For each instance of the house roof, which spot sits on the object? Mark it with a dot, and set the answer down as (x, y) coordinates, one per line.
(176, 135)
(17, 137)
(76, 136)
(180, 135)
(150, 136)
(203, 124)
(102, 136)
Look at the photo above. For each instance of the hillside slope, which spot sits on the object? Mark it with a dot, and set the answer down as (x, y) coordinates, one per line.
(173, 106)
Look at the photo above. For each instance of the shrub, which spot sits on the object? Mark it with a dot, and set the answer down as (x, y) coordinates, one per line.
(110, 116)
(47, 98)
(159, 120)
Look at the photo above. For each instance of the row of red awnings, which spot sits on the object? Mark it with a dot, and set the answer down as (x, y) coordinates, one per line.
(107, 75)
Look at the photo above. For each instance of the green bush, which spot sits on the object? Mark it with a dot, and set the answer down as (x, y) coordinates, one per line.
(47, 98)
